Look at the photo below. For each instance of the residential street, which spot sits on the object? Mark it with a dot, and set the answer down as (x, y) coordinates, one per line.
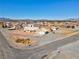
(8, 52)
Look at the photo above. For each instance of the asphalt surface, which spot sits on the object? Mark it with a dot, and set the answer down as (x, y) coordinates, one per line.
(8, 52)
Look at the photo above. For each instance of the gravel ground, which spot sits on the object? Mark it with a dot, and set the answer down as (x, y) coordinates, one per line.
(42, 40)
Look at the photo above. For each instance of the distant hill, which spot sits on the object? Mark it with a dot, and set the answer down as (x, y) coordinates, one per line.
(5, 19)
(8, 19)
(72, 19)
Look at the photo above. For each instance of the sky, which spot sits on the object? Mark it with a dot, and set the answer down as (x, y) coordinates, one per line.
(39, 9)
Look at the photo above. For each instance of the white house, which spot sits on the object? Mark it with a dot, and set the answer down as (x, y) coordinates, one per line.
(30, 27)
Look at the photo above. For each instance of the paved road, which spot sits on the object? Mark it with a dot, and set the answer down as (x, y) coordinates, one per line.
(8, 52)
